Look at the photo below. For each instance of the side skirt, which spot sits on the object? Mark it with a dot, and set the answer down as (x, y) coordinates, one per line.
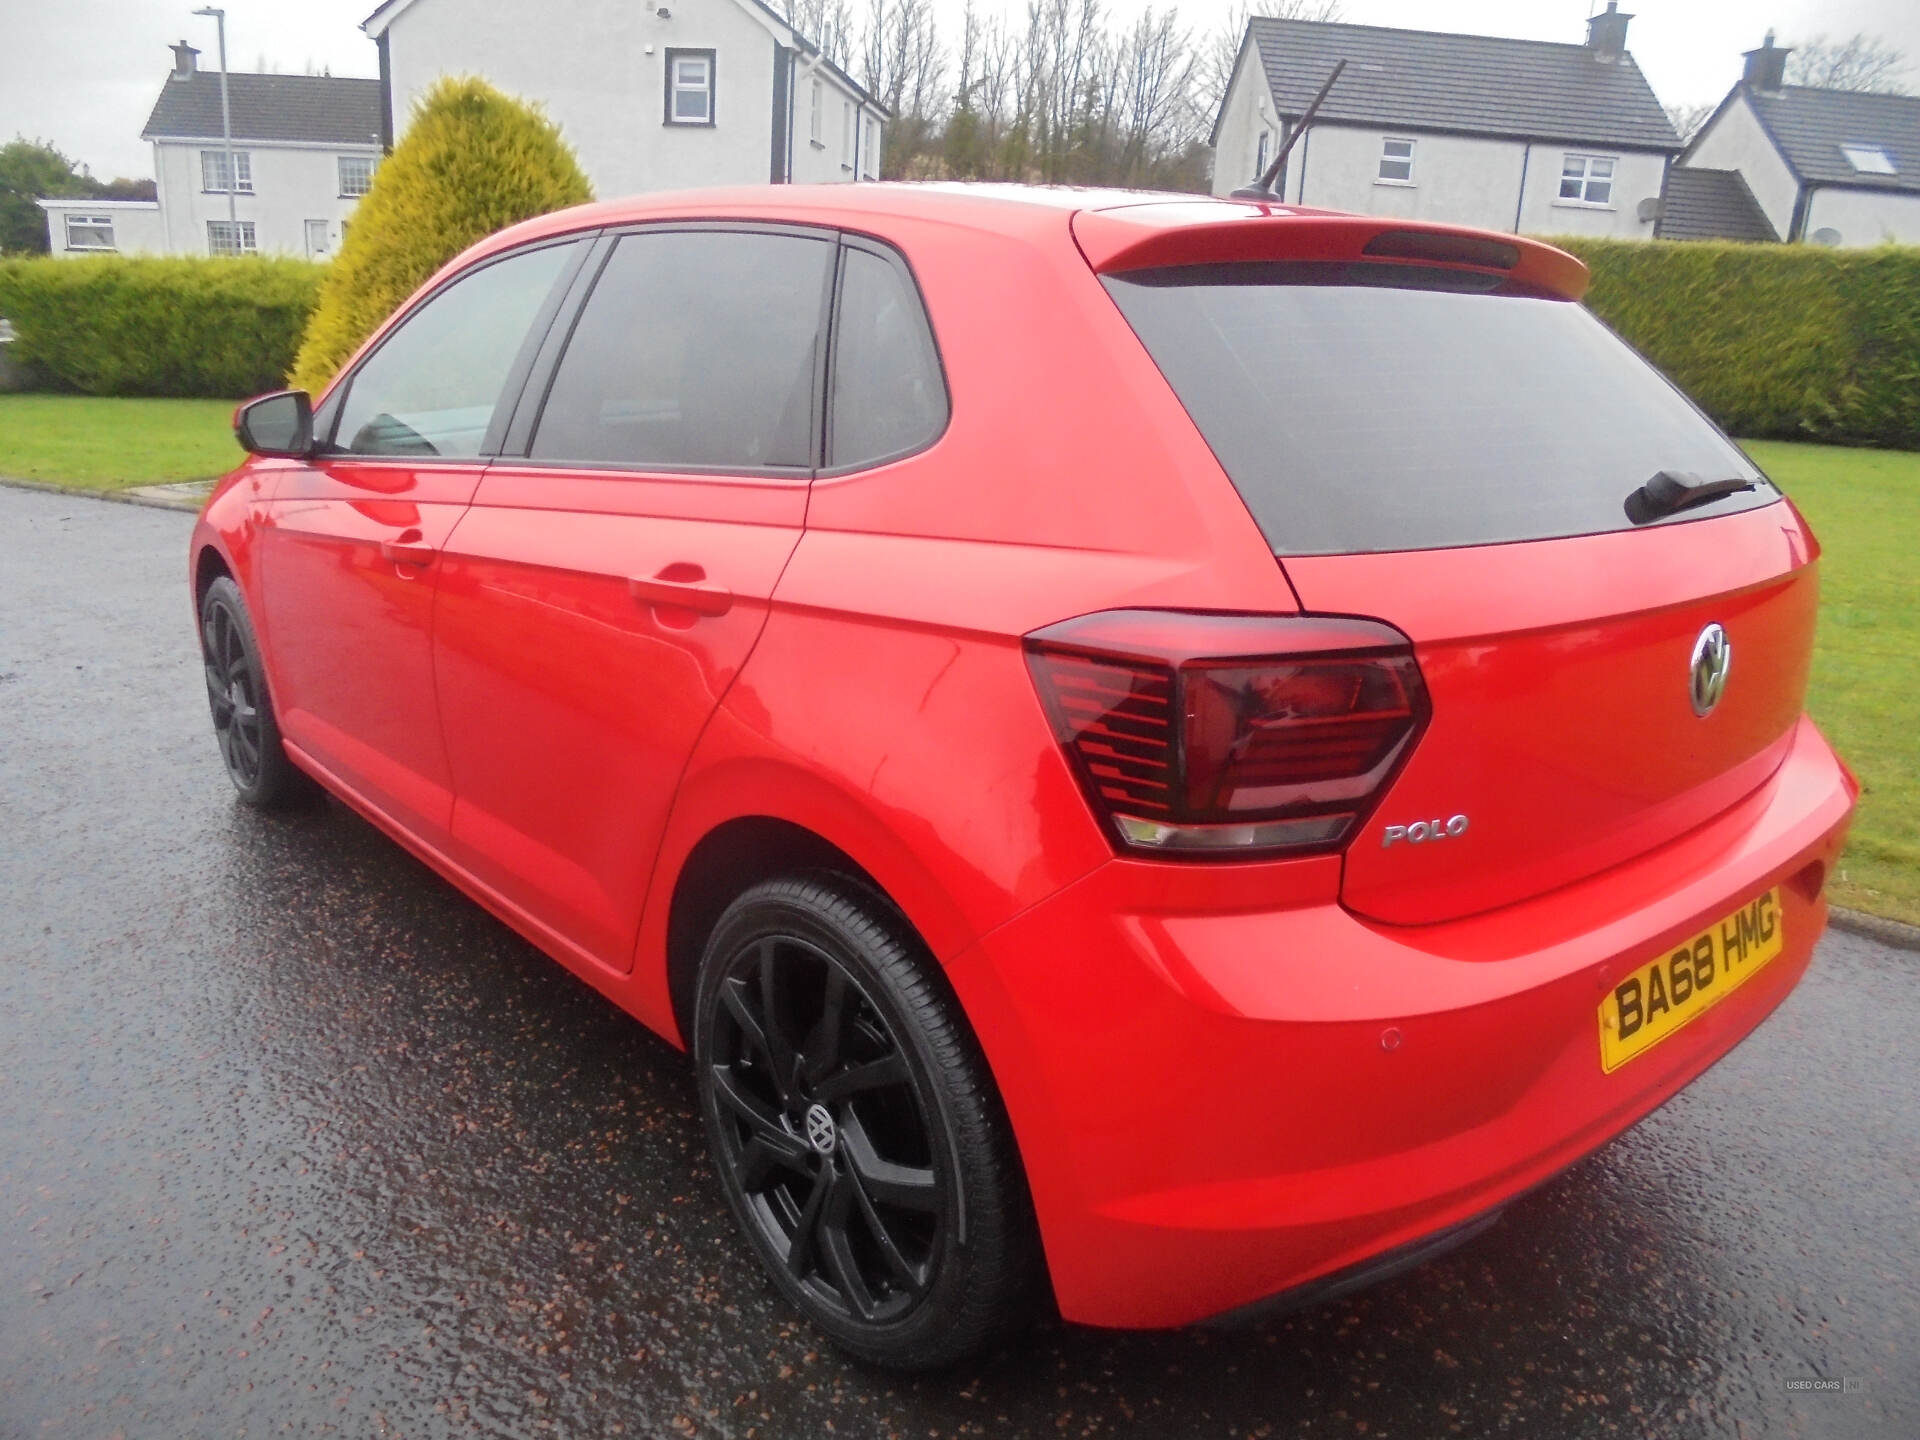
(614, 984)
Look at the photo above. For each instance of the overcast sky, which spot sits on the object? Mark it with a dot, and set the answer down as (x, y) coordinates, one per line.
(83, 73)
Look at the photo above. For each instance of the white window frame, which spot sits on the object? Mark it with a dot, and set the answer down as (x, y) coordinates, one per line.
(1262, 153)
(1390, 157)
(1583, 173)
(341, 162)
(1867, 158)
(870, 169)
(213, 166)
(815, 120)
(92, 222)
(691, 73)
(244, 240)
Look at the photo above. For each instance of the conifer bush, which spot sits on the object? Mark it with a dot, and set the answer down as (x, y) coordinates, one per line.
(472, 161)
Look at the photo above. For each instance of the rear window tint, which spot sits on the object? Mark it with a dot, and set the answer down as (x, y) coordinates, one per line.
(889, 398)
(1390, 407)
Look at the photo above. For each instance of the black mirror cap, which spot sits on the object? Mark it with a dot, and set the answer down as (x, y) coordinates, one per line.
(280, 424)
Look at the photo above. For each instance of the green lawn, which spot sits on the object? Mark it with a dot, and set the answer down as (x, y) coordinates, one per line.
(85, 442)
(1865, 504)
(1865, 507)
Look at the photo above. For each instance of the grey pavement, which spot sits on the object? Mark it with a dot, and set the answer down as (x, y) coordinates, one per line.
(295, 1140)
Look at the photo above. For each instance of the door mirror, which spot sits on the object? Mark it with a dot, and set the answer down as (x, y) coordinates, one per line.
(279, 424)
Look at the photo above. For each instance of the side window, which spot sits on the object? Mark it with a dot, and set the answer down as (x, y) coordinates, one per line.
(431, 387)
(696, 349)
(888, 393)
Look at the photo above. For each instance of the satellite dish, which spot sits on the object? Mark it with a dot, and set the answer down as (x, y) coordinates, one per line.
(1825, 235)
(1650, 209)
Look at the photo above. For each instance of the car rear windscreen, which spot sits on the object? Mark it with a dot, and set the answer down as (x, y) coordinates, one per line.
(1364, 407)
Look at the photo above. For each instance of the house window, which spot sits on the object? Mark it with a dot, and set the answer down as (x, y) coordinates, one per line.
(814, 121)
(1262, 155)
(1869, 159)
(356, 175)
(213, 172)
(90, 232)
(689, 87)
(1587, 179)
(1396, 162)
(871, 169)
(230, 237)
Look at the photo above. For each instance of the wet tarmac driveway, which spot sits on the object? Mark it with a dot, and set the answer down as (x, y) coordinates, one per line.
(294, 1139)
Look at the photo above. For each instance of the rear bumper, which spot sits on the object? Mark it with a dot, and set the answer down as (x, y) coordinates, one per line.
(1226, 1087)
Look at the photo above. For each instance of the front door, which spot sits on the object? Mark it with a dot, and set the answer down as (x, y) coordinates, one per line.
(352, 541)
(602, 591)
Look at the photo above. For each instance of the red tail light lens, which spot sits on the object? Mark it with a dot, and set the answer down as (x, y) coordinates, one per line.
(1230, 734)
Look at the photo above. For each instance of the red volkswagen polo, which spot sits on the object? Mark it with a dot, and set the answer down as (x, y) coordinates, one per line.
(1179, 753)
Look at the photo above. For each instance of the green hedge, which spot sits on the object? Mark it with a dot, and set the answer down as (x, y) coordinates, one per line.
(1792, 342)
(126, 325)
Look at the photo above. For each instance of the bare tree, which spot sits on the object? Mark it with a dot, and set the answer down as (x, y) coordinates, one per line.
(1214, 68)
(1686, 119)
(904, 64)
(1156, 74)
(828, 24)
(1060, 94)
(1860, 62)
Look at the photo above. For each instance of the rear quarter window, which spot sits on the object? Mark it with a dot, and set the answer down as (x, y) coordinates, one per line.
(1392, 407)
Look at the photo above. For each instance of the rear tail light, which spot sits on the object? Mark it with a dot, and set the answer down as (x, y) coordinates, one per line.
(1230, 734)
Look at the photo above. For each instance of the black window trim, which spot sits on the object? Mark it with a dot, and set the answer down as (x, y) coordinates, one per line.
(691, 52)
(904, 268)
(327, 417)
(538, 388)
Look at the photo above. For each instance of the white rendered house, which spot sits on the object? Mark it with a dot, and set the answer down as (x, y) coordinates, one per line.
(1833, 167)
(651, 94)
(304, 151)
(1526, 136)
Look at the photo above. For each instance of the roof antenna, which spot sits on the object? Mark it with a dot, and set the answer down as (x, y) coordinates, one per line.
(1262, 189)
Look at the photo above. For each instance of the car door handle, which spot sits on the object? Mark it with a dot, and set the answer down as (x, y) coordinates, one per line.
(407, 552)
(684, 586)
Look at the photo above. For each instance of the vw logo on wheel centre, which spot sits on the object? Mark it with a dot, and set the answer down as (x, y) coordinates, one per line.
(820, 1132)
(1707, 678)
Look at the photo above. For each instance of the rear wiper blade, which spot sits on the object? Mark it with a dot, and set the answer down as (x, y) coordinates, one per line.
(1672, 490)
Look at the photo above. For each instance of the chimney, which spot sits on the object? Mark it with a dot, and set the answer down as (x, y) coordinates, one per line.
(184, 60)
(1767, 66)
(1607, 33)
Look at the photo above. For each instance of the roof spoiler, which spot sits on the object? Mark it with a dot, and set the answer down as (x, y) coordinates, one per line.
(1209, 232)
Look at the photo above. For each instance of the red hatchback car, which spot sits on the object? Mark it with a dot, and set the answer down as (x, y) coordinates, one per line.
(1175, 752)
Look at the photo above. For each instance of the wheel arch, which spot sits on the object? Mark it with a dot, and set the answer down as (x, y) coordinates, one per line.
(209, 564)
(728, 860)
(746, 817)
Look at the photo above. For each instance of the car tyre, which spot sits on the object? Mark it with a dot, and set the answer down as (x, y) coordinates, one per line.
(855, 1127)
(243, 718)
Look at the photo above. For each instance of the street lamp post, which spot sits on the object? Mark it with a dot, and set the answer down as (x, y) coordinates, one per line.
(226, 120)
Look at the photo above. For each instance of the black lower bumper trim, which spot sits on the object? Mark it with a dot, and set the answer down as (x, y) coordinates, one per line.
(1342, 1283)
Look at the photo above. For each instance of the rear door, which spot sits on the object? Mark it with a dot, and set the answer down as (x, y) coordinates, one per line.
(352, 541)
(1438, 450)
(615, 568)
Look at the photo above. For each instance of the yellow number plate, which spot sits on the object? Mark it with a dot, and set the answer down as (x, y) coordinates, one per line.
(1659, 998)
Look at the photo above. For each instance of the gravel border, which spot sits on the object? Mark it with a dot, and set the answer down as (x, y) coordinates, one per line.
(1896, 933)
(141, 495)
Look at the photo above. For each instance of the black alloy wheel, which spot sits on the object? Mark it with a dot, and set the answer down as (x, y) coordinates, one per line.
(857, 1142)
(243, 720)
